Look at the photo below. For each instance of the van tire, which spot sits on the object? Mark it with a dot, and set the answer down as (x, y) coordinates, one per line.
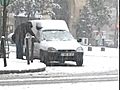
(79, 62)
(43, 58)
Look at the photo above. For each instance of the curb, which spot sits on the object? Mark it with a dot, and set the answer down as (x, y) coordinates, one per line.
(22, 71)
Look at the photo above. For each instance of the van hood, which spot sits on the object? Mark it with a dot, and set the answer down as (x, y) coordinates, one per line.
(60, 45)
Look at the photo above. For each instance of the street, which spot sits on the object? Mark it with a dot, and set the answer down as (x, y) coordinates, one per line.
(55, 78)
(95, 72)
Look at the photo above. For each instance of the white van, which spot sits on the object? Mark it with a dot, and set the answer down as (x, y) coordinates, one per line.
(56, 42)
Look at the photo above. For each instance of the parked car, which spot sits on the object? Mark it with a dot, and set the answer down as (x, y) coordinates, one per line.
(109, 43)
(56, 42)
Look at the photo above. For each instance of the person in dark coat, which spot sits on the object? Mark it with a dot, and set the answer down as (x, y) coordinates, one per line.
(19, 35)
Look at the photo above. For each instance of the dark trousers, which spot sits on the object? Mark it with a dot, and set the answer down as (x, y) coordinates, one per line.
(19, 50)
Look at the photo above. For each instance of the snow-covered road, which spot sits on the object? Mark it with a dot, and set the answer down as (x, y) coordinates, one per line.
(95, 63)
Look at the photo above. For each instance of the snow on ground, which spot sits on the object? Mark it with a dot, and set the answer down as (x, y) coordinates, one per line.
(108, 58)
(94, 61)
(18, 64)
(68, 86)
(90, 64)
(96, 51)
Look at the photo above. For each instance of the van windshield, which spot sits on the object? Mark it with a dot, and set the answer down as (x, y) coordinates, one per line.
(56, 35)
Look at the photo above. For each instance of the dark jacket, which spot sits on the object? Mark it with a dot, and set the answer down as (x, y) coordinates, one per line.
(21, 31)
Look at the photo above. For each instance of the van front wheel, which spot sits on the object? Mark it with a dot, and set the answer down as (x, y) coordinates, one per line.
(79, 62)
(43, 58)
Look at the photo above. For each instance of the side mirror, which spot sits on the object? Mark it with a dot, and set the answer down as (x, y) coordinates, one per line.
(38, 26)
(79, 40)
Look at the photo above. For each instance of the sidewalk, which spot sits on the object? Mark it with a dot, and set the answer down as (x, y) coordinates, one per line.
(18, 65)
(96, 51)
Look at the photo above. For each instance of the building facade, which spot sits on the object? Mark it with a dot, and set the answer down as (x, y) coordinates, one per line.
(75, 7)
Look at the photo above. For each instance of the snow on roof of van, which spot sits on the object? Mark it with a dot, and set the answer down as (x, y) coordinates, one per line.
(51, 24)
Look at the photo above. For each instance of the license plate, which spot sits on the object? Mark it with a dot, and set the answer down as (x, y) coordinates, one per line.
(67, 54)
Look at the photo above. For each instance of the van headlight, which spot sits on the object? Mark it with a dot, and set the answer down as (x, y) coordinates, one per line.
(79, 49)
(51, 49)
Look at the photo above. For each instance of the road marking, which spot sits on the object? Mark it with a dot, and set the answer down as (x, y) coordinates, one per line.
(63, 78)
